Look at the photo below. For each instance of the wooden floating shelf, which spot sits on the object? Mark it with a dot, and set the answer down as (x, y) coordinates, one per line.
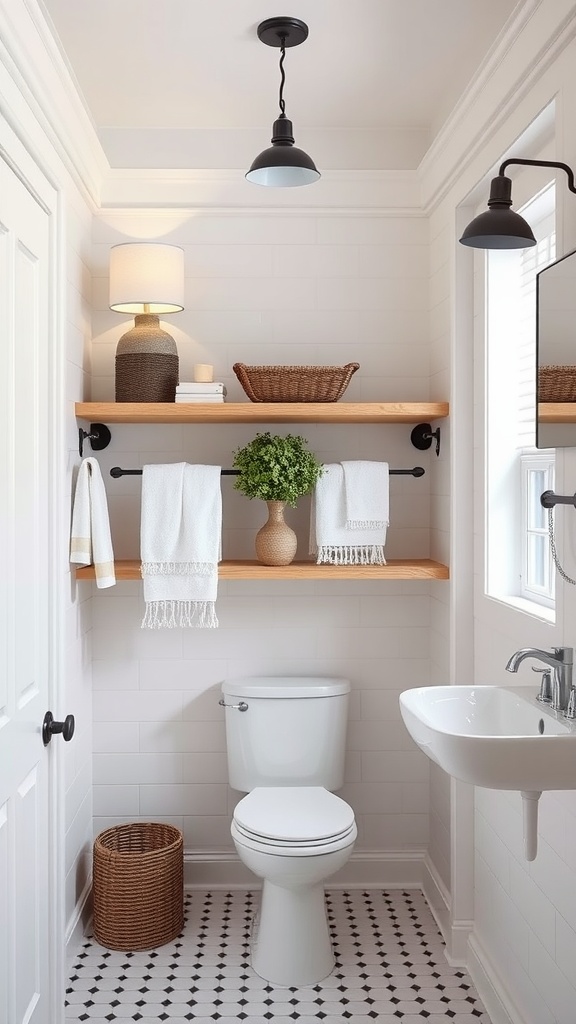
(261, 412)
(557, 412)
(396, 569)
(276, 412)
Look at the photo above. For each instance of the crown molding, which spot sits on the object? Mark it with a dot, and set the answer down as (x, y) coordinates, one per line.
(342, 148)
(548, 27)
(38, 70)
(396, 192)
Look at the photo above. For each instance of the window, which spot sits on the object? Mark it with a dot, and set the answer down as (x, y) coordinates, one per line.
(518, 560)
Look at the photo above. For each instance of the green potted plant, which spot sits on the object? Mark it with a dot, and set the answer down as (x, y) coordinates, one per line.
(278, 470)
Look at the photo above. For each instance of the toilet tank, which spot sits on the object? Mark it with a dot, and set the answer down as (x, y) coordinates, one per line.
(293, 732)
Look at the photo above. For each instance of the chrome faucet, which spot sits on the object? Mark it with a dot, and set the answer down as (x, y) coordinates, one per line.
(560, 660)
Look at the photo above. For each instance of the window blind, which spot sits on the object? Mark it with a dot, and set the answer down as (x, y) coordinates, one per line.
(540, 214)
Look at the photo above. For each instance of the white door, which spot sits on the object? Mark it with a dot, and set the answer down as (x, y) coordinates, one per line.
(25, 653)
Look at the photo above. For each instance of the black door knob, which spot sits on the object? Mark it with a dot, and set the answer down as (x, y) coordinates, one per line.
(50, 728)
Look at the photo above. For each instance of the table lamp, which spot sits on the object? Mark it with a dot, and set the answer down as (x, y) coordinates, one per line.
(146, 278)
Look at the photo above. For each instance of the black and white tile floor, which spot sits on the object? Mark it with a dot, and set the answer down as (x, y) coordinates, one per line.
(390, 968)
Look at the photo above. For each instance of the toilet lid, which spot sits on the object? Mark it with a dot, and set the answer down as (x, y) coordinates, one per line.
(300, 814)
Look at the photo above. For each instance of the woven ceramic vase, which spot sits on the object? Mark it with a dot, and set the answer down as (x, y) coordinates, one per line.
(146, 363)
(276, 541)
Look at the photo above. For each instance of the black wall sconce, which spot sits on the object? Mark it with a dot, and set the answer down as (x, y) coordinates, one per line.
(499, 227)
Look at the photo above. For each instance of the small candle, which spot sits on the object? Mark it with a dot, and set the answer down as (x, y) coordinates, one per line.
(203, 373)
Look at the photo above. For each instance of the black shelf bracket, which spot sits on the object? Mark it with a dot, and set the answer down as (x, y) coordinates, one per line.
(423, 435)
(99, 436)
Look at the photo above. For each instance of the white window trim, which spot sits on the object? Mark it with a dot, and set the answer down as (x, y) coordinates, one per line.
(530, 590)
(511, 417)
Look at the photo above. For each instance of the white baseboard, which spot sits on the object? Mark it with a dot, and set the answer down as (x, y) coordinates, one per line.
(438, 897)
(455, 933)
(386, 869)
(79, 920)
(496, 1001)
(216, 870)
(210, 869)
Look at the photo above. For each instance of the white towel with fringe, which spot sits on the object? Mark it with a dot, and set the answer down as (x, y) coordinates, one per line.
(331, 540)
(180, 538)
(366, 493)
(90, 541)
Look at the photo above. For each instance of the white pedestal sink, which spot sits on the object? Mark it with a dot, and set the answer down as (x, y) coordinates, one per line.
(494, 737)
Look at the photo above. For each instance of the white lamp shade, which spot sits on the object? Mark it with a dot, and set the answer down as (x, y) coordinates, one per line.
(146, 277)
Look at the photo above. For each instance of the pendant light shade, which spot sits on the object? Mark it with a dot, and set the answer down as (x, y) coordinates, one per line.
(499, 227)
(283, 165)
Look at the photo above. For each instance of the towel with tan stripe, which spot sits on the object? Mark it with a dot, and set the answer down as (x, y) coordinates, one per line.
(90, 542)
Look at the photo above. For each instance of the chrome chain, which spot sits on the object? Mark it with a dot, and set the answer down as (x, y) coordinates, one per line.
(563, 574)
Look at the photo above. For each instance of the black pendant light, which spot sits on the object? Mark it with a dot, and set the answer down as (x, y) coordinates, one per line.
(499, 227)
(283, 165)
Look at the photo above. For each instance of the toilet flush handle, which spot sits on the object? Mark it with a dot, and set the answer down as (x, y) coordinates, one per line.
(242, 706)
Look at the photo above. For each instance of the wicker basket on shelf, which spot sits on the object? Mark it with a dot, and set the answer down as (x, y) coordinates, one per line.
(138, 885)
(557, 383)
(294, 383)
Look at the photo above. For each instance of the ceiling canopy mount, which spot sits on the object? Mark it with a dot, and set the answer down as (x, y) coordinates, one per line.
(282, 32)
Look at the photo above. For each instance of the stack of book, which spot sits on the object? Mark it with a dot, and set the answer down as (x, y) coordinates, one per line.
(192, 391)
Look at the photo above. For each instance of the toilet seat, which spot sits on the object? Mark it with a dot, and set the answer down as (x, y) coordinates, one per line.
(294, 821)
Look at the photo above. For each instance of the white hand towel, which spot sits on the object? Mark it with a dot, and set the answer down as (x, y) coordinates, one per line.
(180, 535)
(330, 539)
(367, 495)
(90, 541)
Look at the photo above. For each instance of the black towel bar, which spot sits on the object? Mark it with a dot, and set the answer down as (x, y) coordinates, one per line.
(116, 471)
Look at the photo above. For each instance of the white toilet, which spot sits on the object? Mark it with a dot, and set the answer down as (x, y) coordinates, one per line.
(286, 744)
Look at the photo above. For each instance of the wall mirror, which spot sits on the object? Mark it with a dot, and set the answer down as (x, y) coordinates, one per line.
(556, 354)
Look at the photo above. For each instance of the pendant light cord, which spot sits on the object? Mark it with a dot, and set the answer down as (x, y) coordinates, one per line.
(282, 80)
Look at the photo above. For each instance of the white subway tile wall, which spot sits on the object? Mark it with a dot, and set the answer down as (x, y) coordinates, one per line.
(269, 289)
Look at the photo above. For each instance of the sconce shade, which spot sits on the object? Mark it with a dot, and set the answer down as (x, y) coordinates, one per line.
(146, 278)
(499, 227)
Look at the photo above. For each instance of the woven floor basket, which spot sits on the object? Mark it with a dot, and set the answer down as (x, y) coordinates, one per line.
(294, 383)
(557, 384)
(138, 886)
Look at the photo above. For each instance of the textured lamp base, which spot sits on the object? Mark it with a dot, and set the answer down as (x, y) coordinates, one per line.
(147, 377)
(146, 363)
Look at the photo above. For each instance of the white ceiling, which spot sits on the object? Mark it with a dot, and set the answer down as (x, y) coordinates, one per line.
(157, 73)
